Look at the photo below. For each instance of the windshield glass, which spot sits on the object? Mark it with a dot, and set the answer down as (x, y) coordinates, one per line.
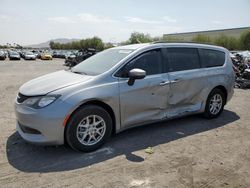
(14, 53)
(101, 62)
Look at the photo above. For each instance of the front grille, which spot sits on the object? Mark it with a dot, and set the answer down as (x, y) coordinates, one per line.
(21, 98)
(28, 129)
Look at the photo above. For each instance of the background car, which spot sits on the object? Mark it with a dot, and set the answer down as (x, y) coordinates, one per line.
(46, 56)
(78, 57)
(37, 53)
(55, 54)
(29, 56)
(21, 53)
(13, 55)
(2, 55)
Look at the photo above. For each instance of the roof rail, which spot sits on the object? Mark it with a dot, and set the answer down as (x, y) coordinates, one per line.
(157, 42)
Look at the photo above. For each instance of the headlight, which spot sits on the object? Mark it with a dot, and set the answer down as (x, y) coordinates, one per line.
(40, 102)
(31, 101)
(45, 101)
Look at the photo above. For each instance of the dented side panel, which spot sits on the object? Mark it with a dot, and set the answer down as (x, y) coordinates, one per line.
(189, 89)
(145, 101)
(186, 91)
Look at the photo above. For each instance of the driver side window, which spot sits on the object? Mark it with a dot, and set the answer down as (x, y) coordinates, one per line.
(149, 61)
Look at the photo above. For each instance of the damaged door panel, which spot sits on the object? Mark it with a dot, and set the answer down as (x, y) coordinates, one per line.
(186, 92)
(146, 99)
(186, 80)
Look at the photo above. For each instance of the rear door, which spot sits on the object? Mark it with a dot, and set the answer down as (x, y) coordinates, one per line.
(146, 100)
(186, 80)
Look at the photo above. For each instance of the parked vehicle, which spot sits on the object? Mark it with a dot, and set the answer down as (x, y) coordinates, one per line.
(5, 52)
(14, 55)
(46, 56)
(29, 56)
(242, 71)
(37, 53)
(56, 54)
(21, 53)
(123, 87)
(2, 55)
(73, 59)
(59, 54)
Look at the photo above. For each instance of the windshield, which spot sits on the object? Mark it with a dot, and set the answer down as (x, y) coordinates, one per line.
(14, 53)
(101, 62)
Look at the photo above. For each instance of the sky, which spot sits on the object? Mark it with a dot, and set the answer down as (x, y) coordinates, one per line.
(34, 21)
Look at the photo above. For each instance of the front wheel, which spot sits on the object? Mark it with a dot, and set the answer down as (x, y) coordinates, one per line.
(215, 103)
(88, 128)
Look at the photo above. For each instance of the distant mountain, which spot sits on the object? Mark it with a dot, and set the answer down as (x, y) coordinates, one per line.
(46, 44)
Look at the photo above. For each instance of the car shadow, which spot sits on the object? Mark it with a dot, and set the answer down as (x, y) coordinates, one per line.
(30, 158)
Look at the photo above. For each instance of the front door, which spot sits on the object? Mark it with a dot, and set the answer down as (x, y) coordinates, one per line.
(146, 99)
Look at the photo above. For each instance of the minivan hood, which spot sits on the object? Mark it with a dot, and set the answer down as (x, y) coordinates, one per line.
(51, 82)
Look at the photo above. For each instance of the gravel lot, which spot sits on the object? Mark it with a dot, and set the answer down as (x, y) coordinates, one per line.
(188, 152)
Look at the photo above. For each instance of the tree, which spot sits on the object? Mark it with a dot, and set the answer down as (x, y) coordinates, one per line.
(52, 45)
(233, 43)
(172, 39)
(230, 43)
(245, 40)
(94, 42)
(137, 37)
(202, 39)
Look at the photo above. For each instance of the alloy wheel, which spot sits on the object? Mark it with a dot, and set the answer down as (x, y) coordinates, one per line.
(91, 130)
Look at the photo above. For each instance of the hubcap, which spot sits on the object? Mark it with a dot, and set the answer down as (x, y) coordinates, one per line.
(215, 104)
(91, 130)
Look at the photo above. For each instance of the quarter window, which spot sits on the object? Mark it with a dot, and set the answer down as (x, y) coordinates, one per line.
(211, 58)
(179, 59)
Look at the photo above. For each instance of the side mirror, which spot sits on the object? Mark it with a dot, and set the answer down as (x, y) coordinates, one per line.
(135, 74)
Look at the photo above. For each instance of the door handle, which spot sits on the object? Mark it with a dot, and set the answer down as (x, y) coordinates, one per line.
(164, 83)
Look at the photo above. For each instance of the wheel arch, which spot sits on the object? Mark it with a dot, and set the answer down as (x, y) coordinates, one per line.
(96, 103)
(223, 89)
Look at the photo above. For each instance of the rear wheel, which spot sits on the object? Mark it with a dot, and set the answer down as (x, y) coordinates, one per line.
(88, 128)
(215, 103)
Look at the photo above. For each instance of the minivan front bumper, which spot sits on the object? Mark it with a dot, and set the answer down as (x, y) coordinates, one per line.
(41, 126)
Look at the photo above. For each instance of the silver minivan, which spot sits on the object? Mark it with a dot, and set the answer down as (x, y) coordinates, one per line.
(124, 87)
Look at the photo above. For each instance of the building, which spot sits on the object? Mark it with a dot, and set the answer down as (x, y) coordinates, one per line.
(233, 32)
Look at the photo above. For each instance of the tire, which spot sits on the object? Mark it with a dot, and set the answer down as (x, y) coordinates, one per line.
(211, 112)
(87, 131)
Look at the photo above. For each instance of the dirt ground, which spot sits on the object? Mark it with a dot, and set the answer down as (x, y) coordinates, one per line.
(188, 152)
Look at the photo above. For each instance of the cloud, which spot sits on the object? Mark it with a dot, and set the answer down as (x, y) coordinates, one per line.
(216, 22)
(91, 18)
(84, 17)
(62, 19)
(141, 20)
(94, 18)
(169, 19)
(4, 18)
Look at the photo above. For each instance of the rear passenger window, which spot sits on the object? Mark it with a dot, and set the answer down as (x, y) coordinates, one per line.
(211, 58)
(182, 59)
